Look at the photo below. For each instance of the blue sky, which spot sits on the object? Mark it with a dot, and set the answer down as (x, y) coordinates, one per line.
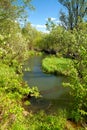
(43, 10)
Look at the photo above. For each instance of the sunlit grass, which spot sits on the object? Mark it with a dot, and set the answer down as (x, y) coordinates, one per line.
(57, 65)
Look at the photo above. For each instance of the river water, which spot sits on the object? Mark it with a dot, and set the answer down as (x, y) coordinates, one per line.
(54, 95)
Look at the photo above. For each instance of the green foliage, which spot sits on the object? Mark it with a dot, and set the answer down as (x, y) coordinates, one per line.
(11, 9)
(19, 125)
(50, 24)
(66, 42)
(71, 44)
(13, 46)
(10, 82)
(32, 36)
(43, 121)
(15, 43)
(33, 53)
(76, 11)
(13, 89)
(77, 84)
(57, 65)
(51, 40)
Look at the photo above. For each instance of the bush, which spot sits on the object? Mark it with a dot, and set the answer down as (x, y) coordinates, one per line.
(12, 90)
(42, 121)
(76, 80)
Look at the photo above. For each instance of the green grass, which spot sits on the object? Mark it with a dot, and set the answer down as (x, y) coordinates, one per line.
(57, 65)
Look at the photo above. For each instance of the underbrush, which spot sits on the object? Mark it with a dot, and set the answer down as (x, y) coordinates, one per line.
(33, 53)
(76, 80)
(12, 90)
(42, 121)
(12, 114)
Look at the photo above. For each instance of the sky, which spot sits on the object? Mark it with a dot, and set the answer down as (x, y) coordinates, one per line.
(44, 9)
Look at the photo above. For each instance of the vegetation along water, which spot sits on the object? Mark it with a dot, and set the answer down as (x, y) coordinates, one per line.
(43, 74)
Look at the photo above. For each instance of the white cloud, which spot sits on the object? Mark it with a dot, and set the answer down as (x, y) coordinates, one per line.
(55, 20)
(52, 18)
(46, 31)
(39, 26)
(42, 27)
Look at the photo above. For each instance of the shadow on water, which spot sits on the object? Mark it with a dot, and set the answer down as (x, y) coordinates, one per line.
(54, 95)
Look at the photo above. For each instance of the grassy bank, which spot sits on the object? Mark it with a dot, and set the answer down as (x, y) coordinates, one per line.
(57, 65)
(69, 68)
(13, 116)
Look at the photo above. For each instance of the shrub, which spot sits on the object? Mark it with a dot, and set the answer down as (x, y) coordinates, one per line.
(42, 121)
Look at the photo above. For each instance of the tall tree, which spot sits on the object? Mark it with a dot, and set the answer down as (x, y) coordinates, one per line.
(12, 42)
(76, 12)
(13, 10)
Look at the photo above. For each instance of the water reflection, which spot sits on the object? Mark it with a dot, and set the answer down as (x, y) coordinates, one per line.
(49, 85)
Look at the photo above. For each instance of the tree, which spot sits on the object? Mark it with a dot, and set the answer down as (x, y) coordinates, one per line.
(13, 43)
(76, 12)
(50, 24)
(32, 36)
(12, 10)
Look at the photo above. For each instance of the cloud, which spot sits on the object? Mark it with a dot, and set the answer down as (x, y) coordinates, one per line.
(42, 27)
(39, 26)
(52, 19)
(46, 31)
(55, 20)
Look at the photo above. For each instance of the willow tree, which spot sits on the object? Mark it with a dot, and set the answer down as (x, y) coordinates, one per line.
(76, 11)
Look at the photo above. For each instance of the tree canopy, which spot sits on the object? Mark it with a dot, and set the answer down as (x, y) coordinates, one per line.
(76, 11)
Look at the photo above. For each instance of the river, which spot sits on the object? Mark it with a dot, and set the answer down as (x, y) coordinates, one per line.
(54, 95)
